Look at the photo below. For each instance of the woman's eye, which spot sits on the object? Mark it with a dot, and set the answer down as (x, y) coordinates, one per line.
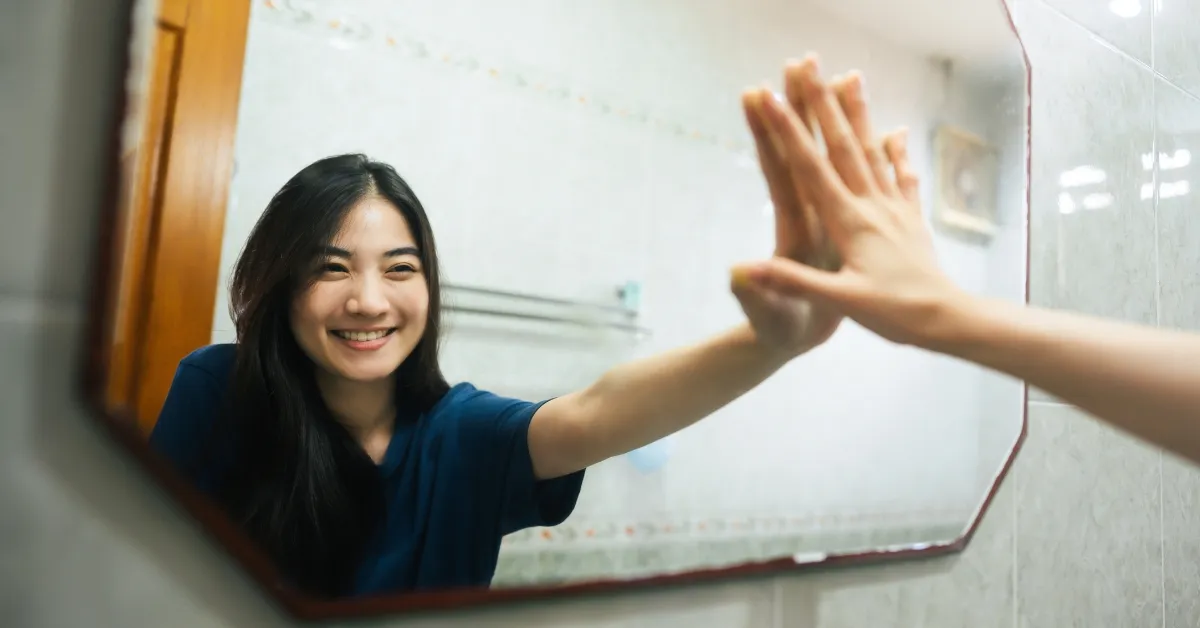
(332, 268)
(403, 268)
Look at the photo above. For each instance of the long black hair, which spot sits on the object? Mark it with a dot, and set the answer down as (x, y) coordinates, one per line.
(299, 484)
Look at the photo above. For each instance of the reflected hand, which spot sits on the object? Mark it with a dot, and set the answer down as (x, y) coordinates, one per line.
(889, 280)
(792, 323)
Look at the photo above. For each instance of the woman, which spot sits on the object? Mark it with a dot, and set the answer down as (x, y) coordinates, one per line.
(333, 438)
(1142, 380)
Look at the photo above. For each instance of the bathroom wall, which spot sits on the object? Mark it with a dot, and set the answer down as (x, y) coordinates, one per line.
(1091, 529)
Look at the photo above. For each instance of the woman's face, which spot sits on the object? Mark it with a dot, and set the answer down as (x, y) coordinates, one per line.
(366, 311)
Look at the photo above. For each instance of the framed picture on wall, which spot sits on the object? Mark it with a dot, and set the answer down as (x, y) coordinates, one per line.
(964, 194)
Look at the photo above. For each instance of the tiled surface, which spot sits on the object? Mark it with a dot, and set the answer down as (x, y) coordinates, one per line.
(1088, 548)
(973, 588)
(1123, 23)
(1181, 543)
(1176, 48)
(1179, 277)
(1097, 261)
(1178, 115)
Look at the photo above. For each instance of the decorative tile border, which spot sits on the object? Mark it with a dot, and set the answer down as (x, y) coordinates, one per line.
(344, 31)
(572, 563)
(719, 529)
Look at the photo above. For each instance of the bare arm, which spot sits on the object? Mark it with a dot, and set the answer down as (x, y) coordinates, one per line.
(1143, 380)
(640, 402)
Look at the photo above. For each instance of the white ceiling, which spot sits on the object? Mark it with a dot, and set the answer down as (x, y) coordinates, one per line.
(970, 32)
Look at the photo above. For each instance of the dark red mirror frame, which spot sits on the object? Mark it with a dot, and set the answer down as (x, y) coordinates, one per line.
(121, 424)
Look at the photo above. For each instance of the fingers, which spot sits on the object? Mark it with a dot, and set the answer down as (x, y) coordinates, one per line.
(849, 91)
(896, 147)
(756, 299)
(795, 98)
(843, 146)
(809, 168)
(787, 198)
(789, 278)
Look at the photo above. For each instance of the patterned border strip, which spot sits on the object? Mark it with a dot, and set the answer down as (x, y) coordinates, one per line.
(347, 31)
(614, 533)
(563, 565)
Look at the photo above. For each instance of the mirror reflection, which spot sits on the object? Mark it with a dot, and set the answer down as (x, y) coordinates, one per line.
(470, 320)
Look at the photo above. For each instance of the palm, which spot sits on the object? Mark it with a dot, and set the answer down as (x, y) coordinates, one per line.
(798, 236)
(794, 323)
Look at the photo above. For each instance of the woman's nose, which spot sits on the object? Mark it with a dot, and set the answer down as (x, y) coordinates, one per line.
(368, 299)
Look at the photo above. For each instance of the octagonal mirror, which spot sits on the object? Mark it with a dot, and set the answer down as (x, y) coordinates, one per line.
(560, 395)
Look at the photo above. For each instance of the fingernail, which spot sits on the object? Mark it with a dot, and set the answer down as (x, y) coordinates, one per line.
(740, 276)
(743, 271)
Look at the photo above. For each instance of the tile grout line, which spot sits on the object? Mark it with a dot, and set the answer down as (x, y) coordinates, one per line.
(1123, 54)
(1155, 176)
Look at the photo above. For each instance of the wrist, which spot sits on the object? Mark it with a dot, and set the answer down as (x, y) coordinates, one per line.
(766, 351)
(957, 323)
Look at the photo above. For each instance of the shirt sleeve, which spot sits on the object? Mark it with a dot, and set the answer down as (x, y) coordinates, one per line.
(497, 437)
(182, 432)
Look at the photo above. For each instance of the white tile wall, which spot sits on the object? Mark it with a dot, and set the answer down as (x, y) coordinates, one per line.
(86, 541)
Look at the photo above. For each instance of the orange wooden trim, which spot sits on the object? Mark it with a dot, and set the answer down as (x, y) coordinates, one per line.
(174, 12)
(185, 253)
(142, 204)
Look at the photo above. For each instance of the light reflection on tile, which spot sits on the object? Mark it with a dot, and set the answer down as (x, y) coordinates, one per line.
(1092, 221)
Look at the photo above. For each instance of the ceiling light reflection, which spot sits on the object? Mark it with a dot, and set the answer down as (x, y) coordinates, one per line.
(1167, 161)
(1082, 175)
(1173, 189)
(1125, 8)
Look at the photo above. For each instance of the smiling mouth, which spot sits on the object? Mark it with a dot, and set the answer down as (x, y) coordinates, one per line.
(363, 336)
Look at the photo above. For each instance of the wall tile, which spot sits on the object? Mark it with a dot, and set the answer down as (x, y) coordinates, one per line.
(1088, 548)
(1176, 48)
(1181, 542)
(1099, 261)
(1124, 23)
(1092, 121)
(1178, 116)
(746, 604)
(973, 588)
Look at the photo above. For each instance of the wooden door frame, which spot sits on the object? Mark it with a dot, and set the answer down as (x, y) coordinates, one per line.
(167, 257)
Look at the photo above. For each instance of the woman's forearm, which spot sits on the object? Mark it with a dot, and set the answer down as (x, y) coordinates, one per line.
(1143, 380)
(639, 402)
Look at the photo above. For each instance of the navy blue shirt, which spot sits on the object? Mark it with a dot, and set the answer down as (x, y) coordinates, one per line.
(456, 480)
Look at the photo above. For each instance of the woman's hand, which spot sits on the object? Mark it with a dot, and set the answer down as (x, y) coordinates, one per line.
(790, 323)
(888, 279)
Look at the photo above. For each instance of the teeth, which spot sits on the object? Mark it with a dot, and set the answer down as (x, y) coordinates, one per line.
(362, 336)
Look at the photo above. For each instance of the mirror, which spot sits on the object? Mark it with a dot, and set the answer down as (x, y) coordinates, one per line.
(589, 178)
